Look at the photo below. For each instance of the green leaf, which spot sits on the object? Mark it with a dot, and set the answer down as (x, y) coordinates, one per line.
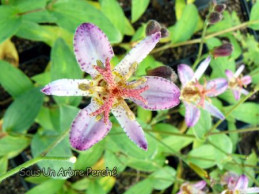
(144, 115)
(254, 15)
(37, 180)
(89, 157)
(9, 22)
(163, 178)
(44, 118)
(179, 7)
(204, 156)
(112, 160)
(25, 5)
(3, 164)
(41, 142)
(22, 112)
(138, 8)
(13, 80)
(48, 34)
(219, 66)
(42, 78)
(203, 125)
(139, 34)
(114, 13)
(186, 26)
(67, 115)
(64, 11)
(175, 142)
(11, 146)
(143, 187)
(48, 187)
(64, 65)
(207, 155)
(101, 185)
(247, 112)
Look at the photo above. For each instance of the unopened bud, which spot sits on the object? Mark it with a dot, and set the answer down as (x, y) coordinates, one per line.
(164, 72)
(164, 32)
(215, 17)
(220, 8)
(152, 27)
(222, 51)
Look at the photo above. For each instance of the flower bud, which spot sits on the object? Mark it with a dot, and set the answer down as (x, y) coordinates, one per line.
(220, 8)
(164, 32)
(164, 72)
(223, 50)
(152, 27)
(214, 17)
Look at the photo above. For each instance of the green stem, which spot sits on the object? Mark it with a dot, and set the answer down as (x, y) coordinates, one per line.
(202, 40)
(193, 41)
(172, 133)
(242, 100)
(235, 131)
(28, 164)
(55, 143)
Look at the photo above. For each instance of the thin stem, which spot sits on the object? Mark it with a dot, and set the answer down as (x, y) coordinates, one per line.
(172, 133)
(28, 164)
(55, 143)
(202, 40)
(235, 131)
(193, 41)
(242, 100)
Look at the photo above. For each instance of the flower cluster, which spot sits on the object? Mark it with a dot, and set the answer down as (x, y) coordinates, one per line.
(110, 86)
(196, 96)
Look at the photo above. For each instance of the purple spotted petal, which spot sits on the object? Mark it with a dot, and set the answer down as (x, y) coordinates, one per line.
(213, 110)
(236, 93)
(229, 74)
(138, 53)
(132, 128)
(218, 86)
(185, 73)
(242, 183)
(86, 130)
(192, 114)
(66, 87)
(202, 68)
(90, 45)
(161, 94)
(246, 80)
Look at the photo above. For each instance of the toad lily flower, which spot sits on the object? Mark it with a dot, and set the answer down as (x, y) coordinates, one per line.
(196, 96)
(109, 87)
(237, 184)
(237, 82)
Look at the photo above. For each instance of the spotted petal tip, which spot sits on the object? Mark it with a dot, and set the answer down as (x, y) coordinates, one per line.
(90, 45)
(132, 128)
(87, 130)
